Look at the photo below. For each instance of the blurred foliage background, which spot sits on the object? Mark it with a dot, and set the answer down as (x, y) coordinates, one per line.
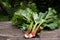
(8, 7)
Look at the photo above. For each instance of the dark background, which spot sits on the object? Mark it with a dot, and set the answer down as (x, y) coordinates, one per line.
(8, 7)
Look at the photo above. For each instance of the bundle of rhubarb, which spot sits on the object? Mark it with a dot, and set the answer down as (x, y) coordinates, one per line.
(33, 22)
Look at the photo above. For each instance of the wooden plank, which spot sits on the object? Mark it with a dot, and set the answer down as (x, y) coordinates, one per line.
(12, 33)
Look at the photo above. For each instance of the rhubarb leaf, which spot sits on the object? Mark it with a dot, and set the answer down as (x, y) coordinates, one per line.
(22, 17)
(51, 19)
(23, 27)
(35, 17)
(52, 25)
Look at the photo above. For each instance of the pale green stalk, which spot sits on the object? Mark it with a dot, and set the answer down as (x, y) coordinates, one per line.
(34, 27)
(31, 25)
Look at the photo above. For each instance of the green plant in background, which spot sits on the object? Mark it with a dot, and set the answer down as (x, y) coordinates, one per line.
(32, 6)
(37, 21)
(8, 7)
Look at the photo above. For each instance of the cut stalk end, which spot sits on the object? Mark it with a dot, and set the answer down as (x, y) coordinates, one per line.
(26, 36)
(30, 35)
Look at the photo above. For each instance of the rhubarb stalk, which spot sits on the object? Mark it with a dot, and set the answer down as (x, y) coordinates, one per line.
(34, 31)
(28, 30)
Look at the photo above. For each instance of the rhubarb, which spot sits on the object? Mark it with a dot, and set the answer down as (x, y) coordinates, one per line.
(28, 30)
(37, 21)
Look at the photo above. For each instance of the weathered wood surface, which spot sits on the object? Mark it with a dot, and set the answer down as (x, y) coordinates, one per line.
(8, 32)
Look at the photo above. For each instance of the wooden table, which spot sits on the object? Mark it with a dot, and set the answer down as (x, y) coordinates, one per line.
(8, 32)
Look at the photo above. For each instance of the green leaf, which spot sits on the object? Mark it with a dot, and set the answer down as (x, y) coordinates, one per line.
(36, 17)
(23, 27)
(51, 19)
(52, 25)
(42, 15)
(22, 17)
(51, 13)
